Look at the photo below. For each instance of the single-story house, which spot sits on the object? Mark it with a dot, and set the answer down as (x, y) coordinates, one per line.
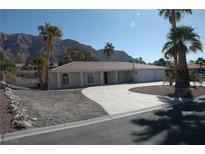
(195, 66)
(82, 74)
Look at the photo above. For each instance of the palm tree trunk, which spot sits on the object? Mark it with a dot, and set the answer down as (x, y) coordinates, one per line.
(47, 64)
(177, 75)
(182, 87)
(40, 77)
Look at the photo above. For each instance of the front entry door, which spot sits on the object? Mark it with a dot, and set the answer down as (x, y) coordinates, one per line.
(105, 77)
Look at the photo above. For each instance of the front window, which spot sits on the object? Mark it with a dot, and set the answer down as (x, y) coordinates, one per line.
(65, 79)
(90, 78)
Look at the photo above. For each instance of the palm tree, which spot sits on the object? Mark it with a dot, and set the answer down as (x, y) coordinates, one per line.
(39, 62)
(108, 49)
(183, 40)
(174, 16)
(48, 32)
(200, 61)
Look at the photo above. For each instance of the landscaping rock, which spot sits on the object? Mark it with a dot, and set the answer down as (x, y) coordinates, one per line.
(7, 89)
(20, 118)
(22, 124)
(3, 84)
(34, 119)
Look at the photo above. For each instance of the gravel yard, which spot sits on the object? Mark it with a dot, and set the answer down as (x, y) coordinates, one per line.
(5, 117)
(58, 106)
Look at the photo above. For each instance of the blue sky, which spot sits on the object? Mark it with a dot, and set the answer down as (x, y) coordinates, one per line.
(141, 33)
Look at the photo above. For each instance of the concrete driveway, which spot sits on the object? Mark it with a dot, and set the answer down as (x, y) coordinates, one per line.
(117, 99)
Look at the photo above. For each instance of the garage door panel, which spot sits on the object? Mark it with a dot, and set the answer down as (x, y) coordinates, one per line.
(145, 75)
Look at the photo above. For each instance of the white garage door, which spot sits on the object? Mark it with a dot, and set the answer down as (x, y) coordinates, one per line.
(145, 75)
(149, 75)
(159, 75)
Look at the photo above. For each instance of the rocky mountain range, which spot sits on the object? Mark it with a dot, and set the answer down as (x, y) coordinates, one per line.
(22, 47)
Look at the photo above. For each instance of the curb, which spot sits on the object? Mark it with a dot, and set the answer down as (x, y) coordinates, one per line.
(43, 130)
(48, 129)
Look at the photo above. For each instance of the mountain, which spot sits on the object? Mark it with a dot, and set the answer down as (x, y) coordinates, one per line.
(22, 47)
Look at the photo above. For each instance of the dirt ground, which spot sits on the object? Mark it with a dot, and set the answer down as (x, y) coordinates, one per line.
(58, 106)
(5, 117)
(166, 90)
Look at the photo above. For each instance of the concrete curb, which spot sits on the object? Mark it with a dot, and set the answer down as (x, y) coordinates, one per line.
(43, 130)
(36, 131)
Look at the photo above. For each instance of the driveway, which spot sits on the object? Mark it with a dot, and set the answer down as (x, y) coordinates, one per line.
(117, 99)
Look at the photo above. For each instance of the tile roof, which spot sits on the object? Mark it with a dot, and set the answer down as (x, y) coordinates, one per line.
(102, 66)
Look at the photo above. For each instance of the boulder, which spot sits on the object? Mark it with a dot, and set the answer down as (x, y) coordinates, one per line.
(7, 89)
(3, 84)
(22, 124)
(34, 119)
(14, 108)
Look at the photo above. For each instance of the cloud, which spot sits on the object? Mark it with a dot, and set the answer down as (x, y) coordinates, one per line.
(132, 24)
(138, 14)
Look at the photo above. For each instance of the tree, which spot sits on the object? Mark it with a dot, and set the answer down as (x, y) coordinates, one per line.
(174, 16)
(182, 40)
(48, 32)
(160, 62)
(40, 62)
(108, 49)
(194, 77)
(9, 69)
(170, 76)
(200, 61)
(76, 54)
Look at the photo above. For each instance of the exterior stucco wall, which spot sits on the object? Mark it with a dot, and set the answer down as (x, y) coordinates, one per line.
(53, 81)
(111, 78)
(124, 76)
(74, 80)
(97, 80)
(140, 75)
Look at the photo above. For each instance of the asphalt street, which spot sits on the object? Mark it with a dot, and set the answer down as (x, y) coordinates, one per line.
(181, 124)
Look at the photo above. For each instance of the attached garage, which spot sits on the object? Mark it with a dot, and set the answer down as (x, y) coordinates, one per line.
(83, 74)
(149, 75)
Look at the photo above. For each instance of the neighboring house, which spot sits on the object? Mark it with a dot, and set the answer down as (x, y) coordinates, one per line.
(26, 75)
(195, 66)
(82, 74)
(200, 70)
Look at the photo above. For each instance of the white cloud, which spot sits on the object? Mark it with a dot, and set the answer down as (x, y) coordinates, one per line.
(132, 24)
(138, 13)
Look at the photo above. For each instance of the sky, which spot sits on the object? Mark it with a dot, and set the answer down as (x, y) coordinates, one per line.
(141, 33)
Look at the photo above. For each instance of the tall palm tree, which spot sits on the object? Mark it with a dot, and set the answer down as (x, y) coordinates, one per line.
(183, 40)
(174, 16)
(39, 62)
(108, 49)
(48, 32)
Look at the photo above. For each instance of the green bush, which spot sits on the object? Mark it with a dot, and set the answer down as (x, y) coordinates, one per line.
(9, 69)
(194, 77)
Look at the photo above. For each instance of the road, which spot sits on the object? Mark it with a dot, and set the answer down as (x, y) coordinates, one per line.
(182, 124)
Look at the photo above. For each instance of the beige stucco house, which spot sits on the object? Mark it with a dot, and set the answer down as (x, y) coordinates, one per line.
(82, 74)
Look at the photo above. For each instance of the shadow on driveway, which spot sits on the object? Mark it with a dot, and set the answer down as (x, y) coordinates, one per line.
(180, 124)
